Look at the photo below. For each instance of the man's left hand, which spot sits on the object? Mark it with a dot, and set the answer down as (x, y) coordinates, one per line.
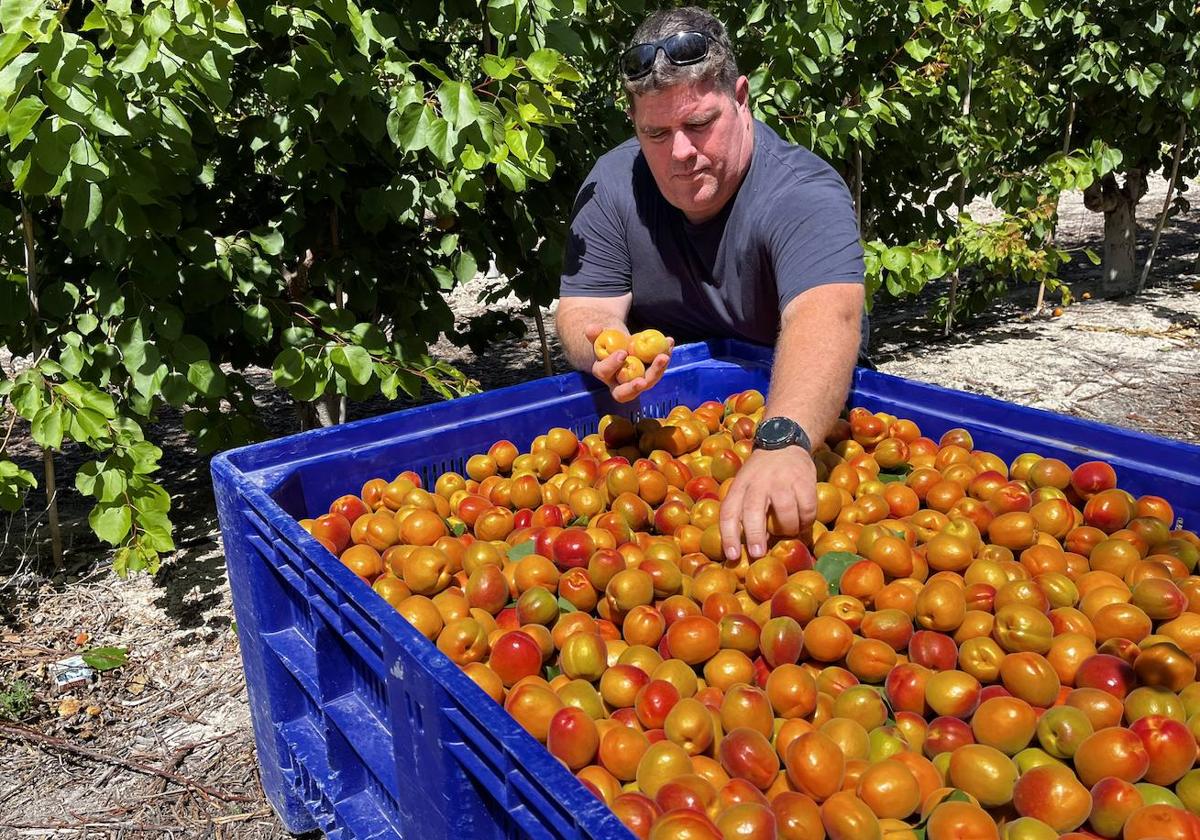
(783, 481)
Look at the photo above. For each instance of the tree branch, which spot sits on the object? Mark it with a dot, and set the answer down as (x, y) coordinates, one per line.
(21, 733)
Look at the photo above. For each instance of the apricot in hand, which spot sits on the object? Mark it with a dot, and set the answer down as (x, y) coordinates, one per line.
(608, 342)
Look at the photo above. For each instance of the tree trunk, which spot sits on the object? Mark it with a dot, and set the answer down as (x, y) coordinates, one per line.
(31, 279)
(326, 410)
(1119, 205)
(955, 278)
(1162, 219)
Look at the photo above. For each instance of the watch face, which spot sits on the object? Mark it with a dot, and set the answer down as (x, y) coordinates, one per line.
(777, 431)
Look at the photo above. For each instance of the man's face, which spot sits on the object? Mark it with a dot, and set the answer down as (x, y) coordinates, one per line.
(697, 140)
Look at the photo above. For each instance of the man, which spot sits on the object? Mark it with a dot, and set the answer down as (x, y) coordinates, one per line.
(708, 225)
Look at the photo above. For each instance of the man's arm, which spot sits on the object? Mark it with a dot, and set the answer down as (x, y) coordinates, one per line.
(814, 360)
(580, 319)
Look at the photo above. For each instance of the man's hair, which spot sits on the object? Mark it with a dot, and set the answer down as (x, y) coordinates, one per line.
(718, 67)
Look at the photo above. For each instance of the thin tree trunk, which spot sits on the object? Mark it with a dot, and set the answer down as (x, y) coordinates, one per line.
(1162, 220)
(34, 325)
(858, 185)
(962, 200)
(547, 362)
(489, 41)
(1050, 239)
(338, 407)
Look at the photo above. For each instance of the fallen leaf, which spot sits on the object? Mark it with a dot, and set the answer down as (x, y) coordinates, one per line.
(137, 685)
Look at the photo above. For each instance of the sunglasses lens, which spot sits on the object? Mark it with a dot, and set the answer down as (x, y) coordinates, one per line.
(686, 47)
(638, 60)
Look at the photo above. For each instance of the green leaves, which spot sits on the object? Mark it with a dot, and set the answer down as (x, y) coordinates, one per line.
(22, 118)
(47, 427)
(460, 107)
(354, 363)
(14, 13)
(833, 565)
(14, 484)
(105, 658)
(410, 129)
(111, 522)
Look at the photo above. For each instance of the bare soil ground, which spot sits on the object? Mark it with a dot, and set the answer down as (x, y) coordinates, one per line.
(162, 746)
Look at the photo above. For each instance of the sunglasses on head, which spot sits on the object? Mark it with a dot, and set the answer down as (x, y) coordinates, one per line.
(680, 49)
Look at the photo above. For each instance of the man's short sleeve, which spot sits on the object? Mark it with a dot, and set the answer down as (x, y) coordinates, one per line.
(815, 241)
(596, 262)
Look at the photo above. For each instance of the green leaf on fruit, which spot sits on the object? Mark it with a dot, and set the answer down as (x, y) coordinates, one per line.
(552, 671)
(831, 566)
(896, 474)
(458, 528)
(521, 550)
(581, 521)
(566, 606)
(105, 658)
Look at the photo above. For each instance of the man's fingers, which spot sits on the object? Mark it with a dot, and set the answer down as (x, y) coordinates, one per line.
(606, 369)
(657, 368)
(806, 507)
(787, 514)
(754, 523)
(731, 522)
(626, 391)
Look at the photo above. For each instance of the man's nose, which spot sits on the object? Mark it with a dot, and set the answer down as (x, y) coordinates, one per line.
(681, 147)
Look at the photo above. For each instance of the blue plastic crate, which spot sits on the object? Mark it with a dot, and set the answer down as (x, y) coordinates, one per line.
(364, 729)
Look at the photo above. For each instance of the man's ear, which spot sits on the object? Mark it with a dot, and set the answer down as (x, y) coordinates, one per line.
(741, 91)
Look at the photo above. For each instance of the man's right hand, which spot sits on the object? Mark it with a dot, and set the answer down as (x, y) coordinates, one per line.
(606, 369)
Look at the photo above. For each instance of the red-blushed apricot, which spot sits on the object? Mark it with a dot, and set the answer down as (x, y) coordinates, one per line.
(1161, 821)
(1111, 752)
(815, 765)
(533, 707)
(960, 821)
(748, 819)
(1113, 801)
(746, 754)
(890, 790)
(620, 751)
(1170, 745)
(797, 817)
(846, 817)
(572, 737)
(1052, 794)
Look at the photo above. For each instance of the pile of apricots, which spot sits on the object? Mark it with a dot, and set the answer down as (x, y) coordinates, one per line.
(960, 647)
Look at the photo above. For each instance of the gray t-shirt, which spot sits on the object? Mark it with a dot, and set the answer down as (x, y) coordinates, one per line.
(790, 227)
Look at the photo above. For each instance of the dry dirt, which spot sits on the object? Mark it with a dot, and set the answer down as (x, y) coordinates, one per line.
(90, 763)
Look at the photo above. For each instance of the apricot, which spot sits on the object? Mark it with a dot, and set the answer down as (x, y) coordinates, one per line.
(648, 344)
(815, 765)
(1051, 793)
(984, 772)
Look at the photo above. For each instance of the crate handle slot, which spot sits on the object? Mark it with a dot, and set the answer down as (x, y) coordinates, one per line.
(490, 782)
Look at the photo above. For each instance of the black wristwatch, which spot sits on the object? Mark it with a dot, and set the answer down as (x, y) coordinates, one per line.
(779, 432)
